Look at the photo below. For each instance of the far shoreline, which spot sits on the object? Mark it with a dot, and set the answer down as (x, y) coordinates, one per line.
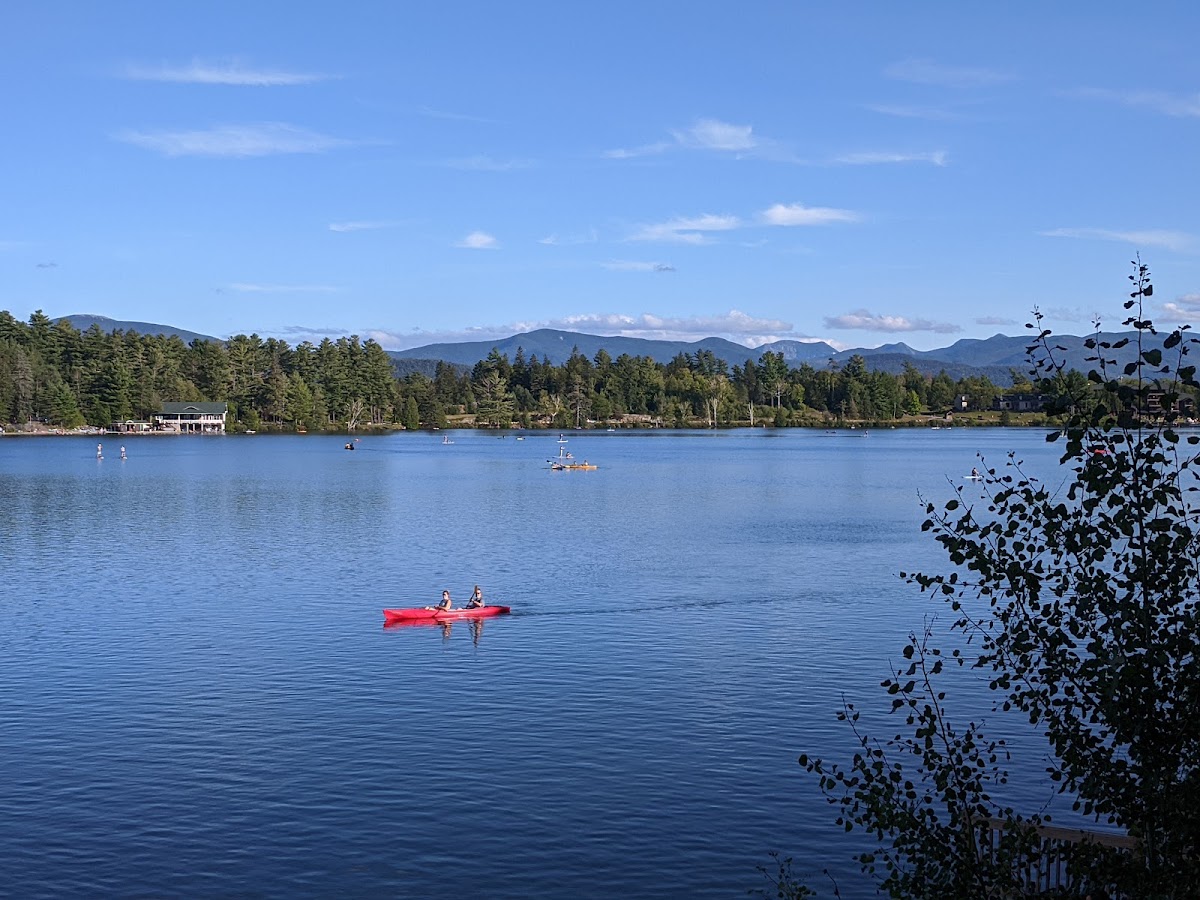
(930, 423)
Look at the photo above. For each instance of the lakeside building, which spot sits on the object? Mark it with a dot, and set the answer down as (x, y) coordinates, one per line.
(192, 418)
(1020, 402)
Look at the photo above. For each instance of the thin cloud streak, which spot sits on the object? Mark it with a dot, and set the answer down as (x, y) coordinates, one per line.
(453, 116)
(1174, 105)
(716, 136)
(696, 230)
(927, 71)
(928, 113)
(636, 152)
(234, 141)
(936, 158)
(231, 72)
(345, 227)
(629, 265)
(243, 287)
(686, 230)
(553, 240)
(703, 134)
(487, 164)
(864, 320)
(301, 333)
(1177, 241)
(789, 215)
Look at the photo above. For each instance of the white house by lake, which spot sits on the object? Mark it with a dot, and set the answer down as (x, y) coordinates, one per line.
(192, 418)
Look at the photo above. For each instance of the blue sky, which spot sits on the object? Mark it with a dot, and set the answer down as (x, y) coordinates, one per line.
(859, 173)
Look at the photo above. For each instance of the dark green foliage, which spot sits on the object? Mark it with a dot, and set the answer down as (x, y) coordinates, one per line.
(1080, 602)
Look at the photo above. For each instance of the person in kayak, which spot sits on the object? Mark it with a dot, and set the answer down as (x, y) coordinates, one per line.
(476, 600)
(446, 603)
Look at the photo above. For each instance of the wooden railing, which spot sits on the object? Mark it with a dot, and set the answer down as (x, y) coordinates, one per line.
(1046, 868)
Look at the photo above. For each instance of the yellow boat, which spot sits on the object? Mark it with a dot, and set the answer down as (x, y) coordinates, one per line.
(566, 462)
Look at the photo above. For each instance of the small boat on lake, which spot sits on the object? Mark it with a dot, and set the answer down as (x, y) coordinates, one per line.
(566, 462)
(442, 615)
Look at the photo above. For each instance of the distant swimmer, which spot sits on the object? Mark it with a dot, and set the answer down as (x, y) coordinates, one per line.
(99, 451)
(123, 456)
(349, 446)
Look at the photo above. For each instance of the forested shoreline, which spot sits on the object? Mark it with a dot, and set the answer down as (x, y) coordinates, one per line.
(53, 374)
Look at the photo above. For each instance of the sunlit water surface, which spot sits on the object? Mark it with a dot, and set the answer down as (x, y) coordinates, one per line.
(198, 696)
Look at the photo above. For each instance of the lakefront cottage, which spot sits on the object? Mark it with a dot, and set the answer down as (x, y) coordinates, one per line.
(192, 418)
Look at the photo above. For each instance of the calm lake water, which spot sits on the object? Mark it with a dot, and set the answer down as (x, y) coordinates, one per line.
(198, 696)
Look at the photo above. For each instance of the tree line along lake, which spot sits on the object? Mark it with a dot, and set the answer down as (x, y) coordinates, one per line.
(198, 695)
(54, 376)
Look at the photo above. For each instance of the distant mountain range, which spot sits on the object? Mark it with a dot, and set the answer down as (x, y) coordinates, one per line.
(84, 322)
(995, 357)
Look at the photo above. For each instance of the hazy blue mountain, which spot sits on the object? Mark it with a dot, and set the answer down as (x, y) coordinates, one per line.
(815, 353)
(84, 322)
(557, 346)
(995, 357)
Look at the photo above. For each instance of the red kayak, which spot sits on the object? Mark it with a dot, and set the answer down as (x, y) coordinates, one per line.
(441, 615)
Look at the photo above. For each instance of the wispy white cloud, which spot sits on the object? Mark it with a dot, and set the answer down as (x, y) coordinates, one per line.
(453, 116)
(936, 158)
(359, 226)
(994, 320)
(243, 287)
(697, 229)
(1067, 314)
(298, 334)
(1185, 307)
(798, 214)
(487, 164)
(1177, 241)
(703, 134)
(713, 134)
(241, 141)
(716, 136)
(635, 152)
(554, 240)
(228, 72)
(864, 320)
(929, 113)
(629, 265)
(686, 230)
(927, 71)
(1176, 105)
(733, 325)
(478, 240)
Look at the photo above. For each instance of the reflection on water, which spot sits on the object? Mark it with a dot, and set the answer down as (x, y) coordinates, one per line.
(196, 696)
(446, 627)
